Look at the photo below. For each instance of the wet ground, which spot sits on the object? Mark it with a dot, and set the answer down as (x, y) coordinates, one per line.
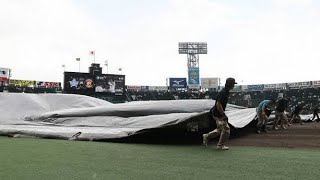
(296, 136)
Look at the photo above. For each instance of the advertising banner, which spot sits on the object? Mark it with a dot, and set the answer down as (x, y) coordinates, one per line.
(256, 87)
(47, 84)
(296, 85)
(25, 83)
(193, 74)
(207, 83)
(315, 83)
(281, 86)
(75, 82)
(4, 74)
(274, 86)
(134, 88)
(269, 86)
(194, 86)
(110, 83)
(158, 88)
(178, 82)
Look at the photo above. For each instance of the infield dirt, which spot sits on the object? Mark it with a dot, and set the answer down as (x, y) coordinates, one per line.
(296, 136)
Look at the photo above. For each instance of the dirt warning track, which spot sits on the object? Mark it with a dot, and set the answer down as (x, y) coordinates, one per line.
(296, 136)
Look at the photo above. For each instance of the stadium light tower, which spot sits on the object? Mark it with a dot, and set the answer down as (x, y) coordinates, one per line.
(193, 49)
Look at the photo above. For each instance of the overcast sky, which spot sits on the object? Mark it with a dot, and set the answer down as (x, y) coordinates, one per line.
(256, 42)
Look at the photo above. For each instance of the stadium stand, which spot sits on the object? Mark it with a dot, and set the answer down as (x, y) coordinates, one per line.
(310, 96)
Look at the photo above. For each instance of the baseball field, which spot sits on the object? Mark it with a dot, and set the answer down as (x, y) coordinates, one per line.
(285, 154)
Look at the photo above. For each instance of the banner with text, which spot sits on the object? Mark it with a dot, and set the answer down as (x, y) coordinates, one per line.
(297, 85)
(134, 88)
(315, 83)
(4, 74)
(44, 84)
(275, 86)
(207, 83)
(256, 87)
(23, 83)
(158, 88)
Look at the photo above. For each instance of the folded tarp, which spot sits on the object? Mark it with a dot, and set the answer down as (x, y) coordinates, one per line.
(62, 115)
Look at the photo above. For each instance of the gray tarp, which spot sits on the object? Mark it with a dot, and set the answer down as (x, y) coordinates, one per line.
(62, 115)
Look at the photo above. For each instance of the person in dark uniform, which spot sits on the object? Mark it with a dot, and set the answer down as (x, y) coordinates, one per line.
(218, 114)
(315, 113)
(296, 113)
(282, 105)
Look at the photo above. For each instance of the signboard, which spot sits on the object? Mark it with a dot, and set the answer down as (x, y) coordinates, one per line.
(134, 88)
(207, 83)
(315, 83)
(3, 79)
(158, 88)
(25, 83)
(296, 85)
(281, 86)
(4, 74)
(193, 74)
(75, 82)
(194, 86)
(257, 87)
(47, 84)
(275, 86)
(178, 82)
(110, 83)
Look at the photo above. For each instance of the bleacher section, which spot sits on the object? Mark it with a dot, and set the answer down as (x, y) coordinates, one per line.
(310, 96)
(243, 96)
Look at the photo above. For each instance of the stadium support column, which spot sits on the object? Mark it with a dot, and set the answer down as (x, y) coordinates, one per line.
(193, 71)
(193, 60)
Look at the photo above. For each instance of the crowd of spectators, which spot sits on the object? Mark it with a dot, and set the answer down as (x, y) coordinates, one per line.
(309, 96)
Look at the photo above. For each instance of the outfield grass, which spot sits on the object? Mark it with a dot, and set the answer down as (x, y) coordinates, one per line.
(60, 159)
